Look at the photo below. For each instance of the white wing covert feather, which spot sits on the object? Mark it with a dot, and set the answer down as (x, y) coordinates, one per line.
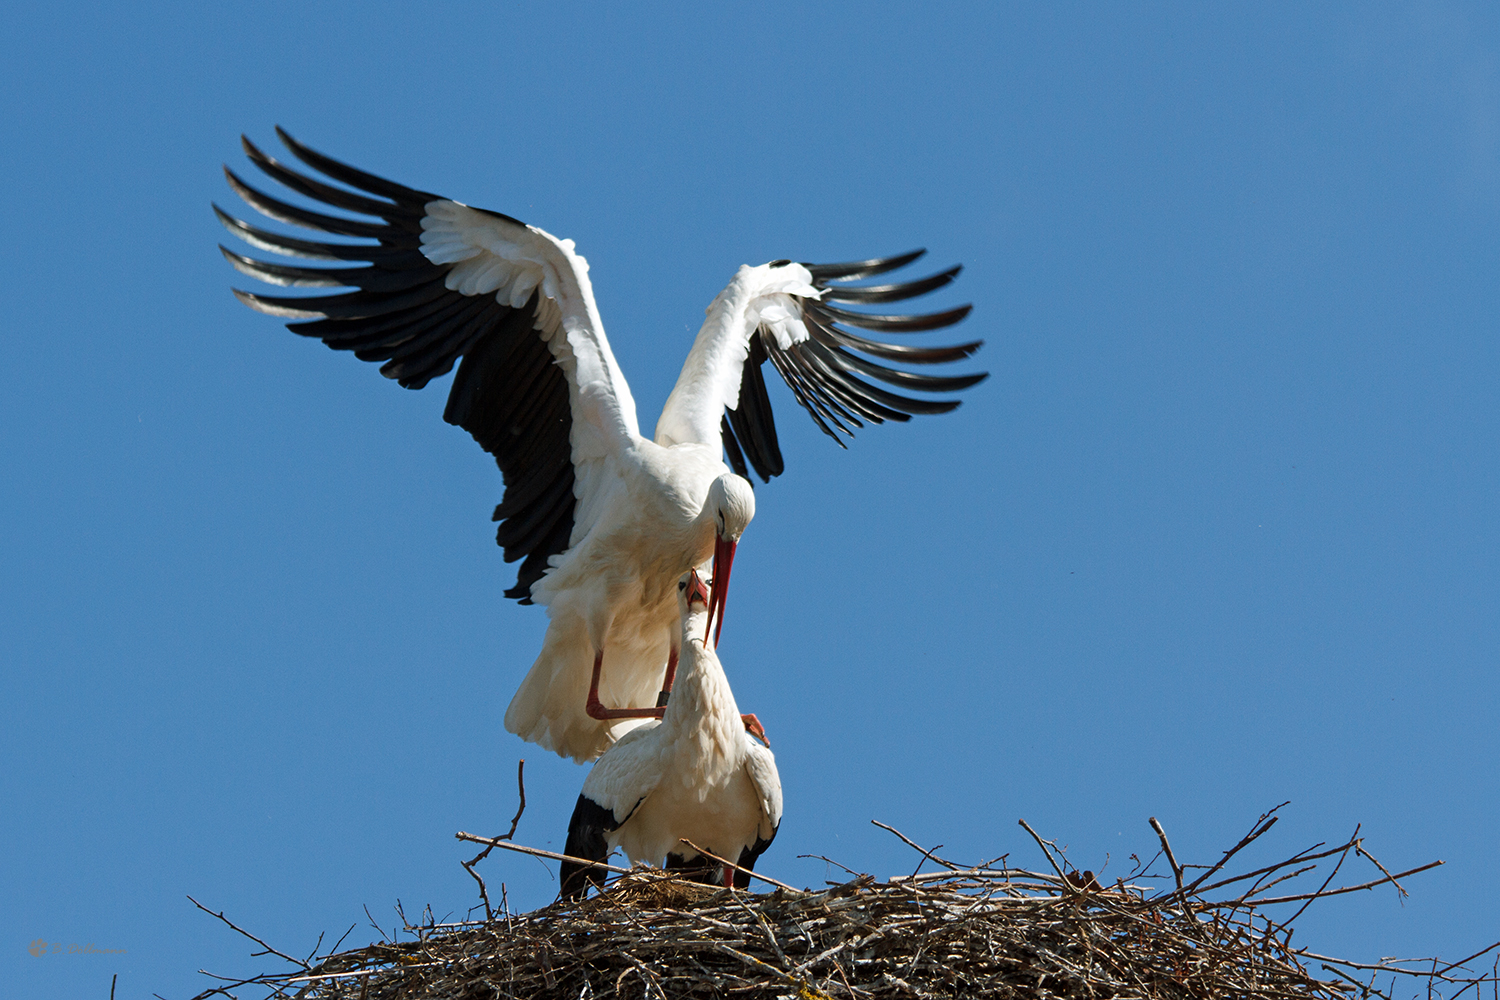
(623, 778)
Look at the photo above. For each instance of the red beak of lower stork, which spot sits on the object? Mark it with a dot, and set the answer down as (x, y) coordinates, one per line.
(723, 560)
(697, 590)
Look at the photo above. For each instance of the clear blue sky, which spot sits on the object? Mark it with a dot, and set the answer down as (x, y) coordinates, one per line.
(1220, 530)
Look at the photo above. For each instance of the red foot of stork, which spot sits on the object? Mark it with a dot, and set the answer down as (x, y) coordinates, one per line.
(596, 709)
(754, 728)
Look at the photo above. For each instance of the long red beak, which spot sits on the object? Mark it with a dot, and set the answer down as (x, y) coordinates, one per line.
(697, 591)
(723, 559)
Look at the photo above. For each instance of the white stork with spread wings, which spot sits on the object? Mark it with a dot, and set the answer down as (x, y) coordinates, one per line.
(604, 519)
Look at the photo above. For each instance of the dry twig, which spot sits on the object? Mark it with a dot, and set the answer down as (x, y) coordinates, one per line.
(484, 896)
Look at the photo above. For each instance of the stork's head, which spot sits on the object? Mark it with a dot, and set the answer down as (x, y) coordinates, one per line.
(692, 594)
(731, 501)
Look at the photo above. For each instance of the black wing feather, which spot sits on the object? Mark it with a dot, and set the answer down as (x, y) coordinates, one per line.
(390, 258)
(753, 426)
(354, 177)
(823, 371)
(849, 389)
(405, 214)
(891, 293)
(369, 279)
(508, 393)
(275, 208)
(751, 854)
(588, 830)
(856, 269)
(732, 453)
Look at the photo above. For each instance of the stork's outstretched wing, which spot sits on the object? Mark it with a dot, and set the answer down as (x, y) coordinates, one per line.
(537, 387)
(785, 313)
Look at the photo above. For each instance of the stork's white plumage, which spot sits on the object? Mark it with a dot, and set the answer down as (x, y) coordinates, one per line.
(696, 776)
(605, 519)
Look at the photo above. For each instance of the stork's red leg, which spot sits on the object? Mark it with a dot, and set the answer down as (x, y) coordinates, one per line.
(666, 684)
(728, 876)
(596, 709)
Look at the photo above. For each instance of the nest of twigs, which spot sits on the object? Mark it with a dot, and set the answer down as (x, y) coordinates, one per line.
(970, 932)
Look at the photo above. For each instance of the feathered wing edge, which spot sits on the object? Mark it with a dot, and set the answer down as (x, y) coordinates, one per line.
(588, 839)
(508, 393)
(824, 371)
(761, 765)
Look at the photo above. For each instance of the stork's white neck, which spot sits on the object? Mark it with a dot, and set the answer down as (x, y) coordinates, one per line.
(701, 724)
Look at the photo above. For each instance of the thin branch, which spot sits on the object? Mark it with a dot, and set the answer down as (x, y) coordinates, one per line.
(920, 862)
(378, 929)
(340, 941)
(1043, 845)
(1267, 820)
(1471, 958)
(252, 937)
(332, 975)
(489, 912)
(314, 953)
(1167, 849)
(747, 871)
(1347, 888)
(537, 852)
(916, 846)
(830, 861)
(1295, 859)
(1353, 842)
(1371, 858)
(1386, 966)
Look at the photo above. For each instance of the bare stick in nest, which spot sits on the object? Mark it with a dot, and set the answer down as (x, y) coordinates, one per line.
(1167, 850)
(489, 913)
(1297, 858)
(917, 847)
(537, 852)
(1043, 845)
(1267, 820)
(1353, 842)
(819, 857)
(747, 871)
(1401, 891)
(1464, 961)
(1347, 888)
(269, 950)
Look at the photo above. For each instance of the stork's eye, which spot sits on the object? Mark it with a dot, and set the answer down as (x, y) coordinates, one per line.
(681, 586)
